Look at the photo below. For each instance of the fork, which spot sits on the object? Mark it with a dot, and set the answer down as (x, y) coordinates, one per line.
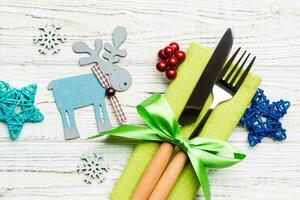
(228, 83)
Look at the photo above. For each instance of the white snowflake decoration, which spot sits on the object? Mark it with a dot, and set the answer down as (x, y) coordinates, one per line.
(49, 39)
(93, 168)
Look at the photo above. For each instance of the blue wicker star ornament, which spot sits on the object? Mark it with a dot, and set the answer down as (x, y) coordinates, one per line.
(17, 107)
(262, 118)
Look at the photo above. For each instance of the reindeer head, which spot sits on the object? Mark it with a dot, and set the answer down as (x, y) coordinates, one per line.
(120, 78)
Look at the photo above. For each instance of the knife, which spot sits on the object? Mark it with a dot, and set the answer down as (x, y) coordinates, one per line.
(192, 110)
(207, 80)
(205, 84)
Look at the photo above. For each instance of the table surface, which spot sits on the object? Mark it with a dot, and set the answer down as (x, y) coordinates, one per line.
(42, 165)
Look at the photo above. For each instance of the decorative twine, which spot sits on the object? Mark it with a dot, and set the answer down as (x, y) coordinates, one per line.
(17, 107)
(114, 100)
(262, 118)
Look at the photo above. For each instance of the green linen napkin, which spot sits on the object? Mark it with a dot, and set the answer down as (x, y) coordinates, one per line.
(220, 125)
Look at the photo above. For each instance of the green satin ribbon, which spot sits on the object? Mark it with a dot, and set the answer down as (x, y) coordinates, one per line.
(162, 125)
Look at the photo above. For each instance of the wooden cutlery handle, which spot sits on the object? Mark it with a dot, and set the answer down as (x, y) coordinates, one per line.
(153, 172)
(169, 177)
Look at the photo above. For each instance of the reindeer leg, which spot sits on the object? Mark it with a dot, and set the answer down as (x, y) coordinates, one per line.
(99, 121)
(107, 124)
(64, 119)
(73, 132)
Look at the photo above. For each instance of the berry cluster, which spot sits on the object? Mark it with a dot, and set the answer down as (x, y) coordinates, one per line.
(169, 58)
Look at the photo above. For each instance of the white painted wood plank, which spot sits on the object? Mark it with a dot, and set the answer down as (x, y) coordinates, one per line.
(48, 170)
(269, 29)
(41, 165)
(145, 81)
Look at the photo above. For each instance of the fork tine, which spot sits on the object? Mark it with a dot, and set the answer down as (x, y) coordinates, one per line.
(239, 70)
(234, 68)
(244, 75)
(228, 64)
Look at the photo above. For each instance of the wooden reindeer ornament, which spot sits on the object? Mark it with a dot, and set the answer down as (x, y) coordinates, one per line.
(84, 90)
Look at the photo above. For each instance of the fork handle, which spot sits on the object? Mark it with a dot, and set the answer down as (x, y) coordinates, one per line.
(169, 177)
(199, 127)
(154, 171)
(175, 167)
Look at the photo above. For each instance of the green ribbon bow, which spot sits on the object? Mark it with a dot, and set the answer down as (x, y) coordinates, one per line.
(203, 153)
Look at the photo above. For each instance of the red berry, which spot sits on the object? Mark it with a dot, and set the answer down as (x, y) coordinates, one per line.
(168, 51)
(175, 46)
(161, 66)
(172, 62)
(180, 55)
(161, 55)
(171, 74)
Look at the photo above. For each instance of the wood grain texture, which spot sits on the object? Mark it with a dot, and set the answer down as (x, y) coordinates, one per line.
(41, 165)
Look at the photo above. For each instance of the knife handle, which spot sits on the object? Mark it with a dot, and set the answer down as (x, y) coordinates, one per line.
(154, 171)
(169, 177)
(201, 124)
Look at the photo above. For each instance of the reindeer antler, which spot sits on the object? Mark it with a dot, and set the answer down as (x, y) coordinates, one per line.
(81, 47)
(113, 53)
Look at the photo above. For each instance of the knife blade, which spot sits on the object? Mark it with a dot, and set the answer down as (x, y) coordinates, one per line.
(207, 80)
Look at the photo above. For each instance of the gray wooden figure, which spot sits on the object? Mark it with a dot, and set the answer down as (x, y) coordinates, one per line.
(79, 91)
(120, 79)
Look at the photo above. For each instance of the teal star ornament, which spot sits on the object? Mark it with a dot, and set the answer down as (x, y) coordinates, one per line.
(17, 107)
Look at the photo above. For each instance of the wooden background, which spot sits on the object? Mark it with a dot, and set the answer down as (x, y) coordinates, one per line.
(42, 165)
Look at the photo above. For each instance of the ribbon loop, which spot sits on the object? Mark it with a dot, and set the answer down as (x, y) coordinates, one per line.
(162, 125)
(182, 143)
(158, 115)
(113, 99)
